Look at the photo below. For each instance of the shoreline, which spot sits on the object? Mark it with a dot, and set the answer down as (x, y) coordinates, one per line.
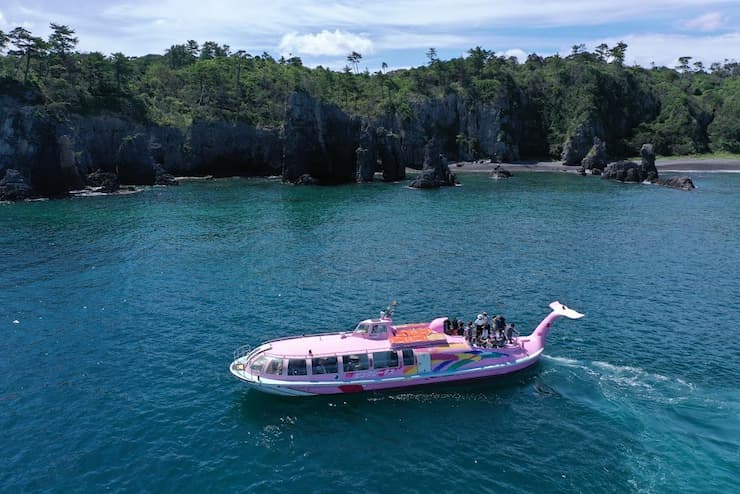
(696, 165)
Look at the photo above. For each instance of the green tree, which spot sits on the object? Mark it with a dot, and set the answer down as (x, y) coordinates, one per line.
(602, 51)
(121, 68)
(27, 47)
(354, 58)
(618, 53)
(61, 40)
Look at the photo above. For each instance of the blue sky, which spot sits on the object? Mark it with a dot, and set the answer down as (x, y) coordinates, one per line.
(398, 32)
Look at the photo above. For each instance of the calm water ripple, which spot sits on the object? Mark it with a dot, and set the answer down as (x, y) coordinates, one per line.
(120, 315)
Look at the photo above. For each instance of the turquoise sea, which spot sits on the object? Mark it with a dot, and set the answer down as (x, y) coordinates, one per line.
(120, 314)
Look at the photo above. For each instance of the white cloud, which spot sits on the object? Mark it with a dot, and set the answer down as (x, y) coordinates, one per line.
(520, 54)
(665, 49)
(329, 43)
(707, 22)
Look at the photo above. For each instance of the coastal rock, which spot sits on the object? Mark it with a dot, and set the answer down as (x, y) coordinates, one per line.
(500, 173)
(647, 161)
(366, 160)
(232, 149)
(578, 144)
(319, 140)
(133, 161)
(683, 183)
(596, 156)
(625, 171)
(105, 181)
(436, 170)
(14, 186)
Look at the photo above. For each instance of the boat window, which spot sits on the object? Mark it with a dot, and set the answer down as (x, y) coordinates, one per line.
(324, 365)
(362, 328)
(408, 358)
(382, 360)
(297, 367)
(356, 362)
(258, 364)
(274, 366)
(378, 331)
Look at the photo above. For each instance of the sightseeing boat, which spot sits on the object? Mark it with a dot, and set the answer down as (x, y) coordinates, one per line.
(380, 355)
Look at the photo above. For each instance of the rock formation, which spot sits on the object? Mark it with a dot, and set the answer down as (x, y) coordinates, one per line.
(436, 171)
(596, 156)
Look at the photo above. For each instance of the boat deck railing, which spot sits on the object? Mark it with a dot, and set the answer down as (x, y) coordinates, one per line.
(242, 351)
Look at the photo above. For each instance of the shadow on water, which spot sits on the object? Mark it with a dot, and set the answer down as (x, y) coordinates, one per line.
(261, 409)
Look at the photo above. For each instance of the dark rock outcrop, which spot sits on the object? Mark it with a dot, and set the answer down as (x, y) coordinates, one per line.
(500, 173)
(14, 186)
(103, 181)
(436, 170)
(319, 140)
(596, 156)
(226, 149)
(578, 145)
(683, 183)
(624, 171)
(647, 161)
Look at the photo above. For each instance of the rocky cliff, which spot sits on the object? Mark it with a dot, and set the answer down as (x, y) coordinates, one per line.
(318, 143)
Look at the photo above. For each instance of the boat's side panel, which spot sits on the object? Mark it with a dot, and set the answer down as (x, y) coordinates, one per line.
(445, 368)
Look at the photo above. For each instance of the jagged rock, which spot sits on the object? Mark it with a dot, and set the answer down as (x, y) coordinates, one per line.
(133, 161)
(305, 179)
(578, 145)
(596, 156)
(107, 181)
(500, 173)
(388, 152)
(683, 183)
(436, 169)
(366, 161)
(164, 178)
(14, 186)
(319, 140)
(647, 160)
(228, 149)
(629, 171)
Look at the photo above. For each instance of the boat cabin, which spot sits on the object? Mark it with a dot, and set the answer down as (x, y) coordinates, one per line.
(374, 329)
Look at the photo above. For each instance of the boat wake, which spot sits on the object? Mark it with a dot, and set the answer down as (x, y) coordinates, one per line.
(620, 382)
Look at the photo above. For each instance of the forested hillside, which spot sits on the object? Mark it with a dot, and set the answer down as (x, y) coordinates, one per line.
(686, 109)
(204, 108)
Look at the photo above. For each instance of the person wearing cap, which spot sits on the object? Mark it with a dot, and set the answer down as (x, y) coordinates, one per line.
(479, 323)
(486, 322)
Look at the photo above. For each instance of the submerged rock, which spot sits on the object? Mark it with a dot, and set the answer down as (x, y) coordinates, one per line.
(500, 173)
(683, 183)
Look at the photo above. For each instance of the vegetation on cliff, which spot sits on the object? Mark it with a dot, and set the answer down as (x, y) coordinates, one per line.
(553, 106)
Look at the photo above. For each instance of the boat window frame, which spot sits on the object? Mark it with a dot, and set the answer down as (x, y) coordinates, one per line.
(390, 354)
(406, 352)
(322, 362)
(282, 367)
(305, 367)
(263, 358)
(356, 369)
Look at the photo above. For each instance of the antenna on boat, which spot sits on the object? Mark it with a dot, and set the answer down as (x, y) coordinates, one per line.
(388, 312)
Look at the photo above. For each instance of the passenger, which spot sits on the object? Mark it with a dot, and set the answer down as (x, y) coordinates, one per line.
(454, 326)
(499, 324)
(510, 332)
(486, 322)
(479, 323)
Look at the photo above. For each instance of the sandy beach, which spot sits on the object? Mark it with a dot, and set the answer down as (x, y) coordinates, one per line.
(663, 164)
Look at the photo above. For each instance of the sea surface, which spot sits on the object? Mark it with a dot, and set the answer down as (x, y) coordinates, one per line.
(120, 315)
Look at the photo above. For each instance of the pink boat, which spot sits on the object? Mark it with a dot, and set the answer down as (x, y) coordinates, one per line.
(379, 355)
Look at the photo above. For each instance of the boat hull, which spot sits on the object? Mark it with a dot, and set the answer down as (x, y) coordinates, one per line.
(347, 386)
